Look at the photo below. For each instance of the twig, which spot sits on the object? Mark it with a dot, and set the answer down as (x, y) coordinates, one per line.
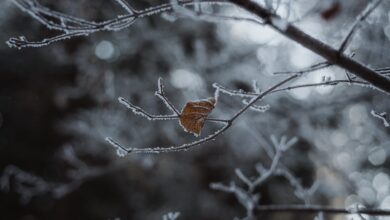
(312, 68)
(244, 94)
(227, 123)
(28, 185)
(382, 116)
(171, 216)
(365, 13)
(248, 198)
(330, 54)
(73, 26)
(318, 208)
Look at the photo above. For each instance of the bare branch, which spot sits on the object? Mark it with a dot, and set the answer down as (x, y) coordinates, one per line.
(365, 13)
(155, 150)
(330, 54)
(261, 95)
(382, 116)
(244, 94)
(312, 68)
(122, 151)
(247, 198)
(125, 5)
(318, 208)
(139, 111)
(28, 185)
(160, 93)
(73, 26)
(171, 216)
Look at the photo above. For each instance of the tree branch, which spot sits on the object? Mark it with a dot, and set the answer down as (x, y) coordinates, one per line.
(330, 54)
(72, 26)
(227, 123)
(365, 13)
(317, 208)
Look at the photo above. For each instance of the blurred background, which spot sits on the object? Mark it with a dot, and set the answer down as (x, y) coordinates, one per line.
(59, 102)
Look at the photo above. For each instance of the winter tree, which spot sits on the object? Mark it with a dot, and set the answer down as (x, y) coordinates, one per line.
(216, 109)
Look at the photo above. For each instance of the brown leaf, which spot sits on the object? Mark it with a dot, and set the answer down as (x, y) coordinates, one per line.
(193, 115)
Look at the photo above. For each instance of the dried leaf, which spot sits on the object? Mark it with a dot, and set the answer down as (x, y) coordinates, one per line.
(193, 115)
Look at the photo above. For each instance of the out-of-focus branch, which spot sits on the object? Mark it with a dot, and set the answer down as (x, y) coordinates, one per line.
(382, 116)
(312, 68)
(350, 81)
(317, 208)
(365, 13)
(244, 94)
(171, 216)
(247, 197)
(330, 54)
(28, 185)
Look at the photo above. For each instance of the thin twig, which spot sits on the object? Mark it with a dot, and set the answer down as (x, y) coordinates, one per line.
(382, 116)
(318, 208)
(122, 151)
(330, 54)
(312, 68)
(365, 13)
(72, 26)
(244, 94)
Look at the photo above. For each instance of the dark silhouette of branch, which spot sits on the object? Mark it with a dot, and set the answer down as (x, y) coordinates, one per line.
(332, 55)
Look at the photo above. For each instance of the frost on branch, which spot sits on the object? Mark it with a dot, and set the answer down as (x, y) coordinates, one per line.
(279, 23)
(70, 26)
(29, 186)
(200, 114)
(23, 183)
(382, 116)
(247, 197)
(171, 216)
(192, 118)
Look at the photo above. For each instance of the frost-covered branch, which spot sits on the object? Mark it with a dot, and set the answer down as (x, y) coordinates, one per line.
(385, 71)
(171, 216)
(24, 183)
(350, 81)
(71, 26)
(247, 198)
(357, 23)
(160, 94)
(318, 208)
(382, 116)
(330, 54)
(227, 123)
(28, 185)
(244, 94)
(312, 68)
